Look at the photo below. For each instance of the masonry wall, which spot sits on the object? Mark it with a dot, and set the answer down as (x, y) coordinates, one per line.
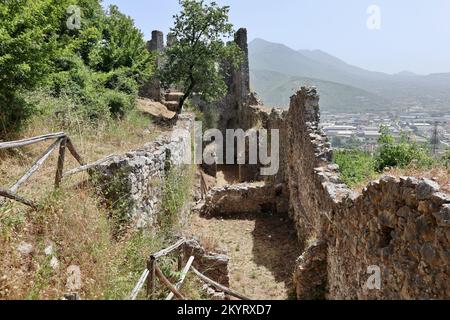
(152, 89)
(245, 198)
(400, 225)
(132, 183)
(238, 84)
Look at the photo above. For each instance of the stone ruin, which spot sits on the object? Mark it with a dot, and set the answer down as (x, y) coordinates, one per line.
(397, 225)
(152, 89)
(135, 180)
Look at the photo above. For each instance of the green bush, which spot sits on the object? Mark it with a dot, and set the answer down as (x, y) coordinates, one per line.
(26, 48)
(176, 193)
(400, 154)
(38, 51)
(121, 80)
(446, 158)
(118, 103)
(355, 166)
(14, 110)
(83, 87)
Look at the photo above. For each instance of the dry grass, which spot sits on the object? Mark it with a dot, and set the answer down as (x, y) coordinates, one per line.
(71, 220)
(438, 173)
(209, 243)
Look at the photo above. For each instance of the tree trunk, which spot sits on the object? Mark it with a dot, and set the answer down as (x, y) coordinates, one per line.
(184, 98)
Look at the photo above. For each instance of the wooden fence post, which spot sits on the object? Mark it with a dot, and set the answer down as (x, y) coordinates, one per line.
(61, 158)
(180, 259)
(74, 152)
(151, 279)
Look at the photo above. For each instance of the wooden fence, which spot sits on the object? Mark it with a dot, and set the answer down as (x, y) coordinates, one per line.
(153, 272)
(62, 141)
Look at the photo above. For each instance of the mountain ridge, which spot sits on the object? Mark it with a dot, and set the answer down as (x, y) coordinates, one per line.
(317, 66)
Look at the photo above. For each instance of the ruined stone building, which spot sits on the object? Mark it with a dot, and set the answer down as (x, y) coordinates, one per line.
(397, 227)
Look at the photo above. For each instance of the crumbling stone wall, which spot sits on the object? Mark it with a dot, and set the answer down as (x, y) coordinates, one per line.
(238, 86)
(399, 225)
(307, 150)
(245, 198)
(241, 76)
(133, 182)
(214, 265)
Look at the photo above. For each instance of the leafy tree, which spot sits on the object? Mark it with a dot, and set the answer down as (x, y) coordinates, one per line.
(123, 47)
(27, 44)
(195, 59)
(99, 65)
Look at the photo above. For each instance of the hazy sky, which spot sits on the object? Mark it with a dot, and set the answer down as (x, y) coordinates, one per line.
(414, 34)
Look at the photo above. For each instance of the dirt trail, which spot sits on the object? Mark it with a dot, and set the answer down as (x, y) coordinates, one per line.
(262, 249)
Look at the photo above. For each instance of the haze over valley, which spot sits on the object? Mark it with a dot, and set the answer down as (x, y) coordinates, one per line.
(277, 71)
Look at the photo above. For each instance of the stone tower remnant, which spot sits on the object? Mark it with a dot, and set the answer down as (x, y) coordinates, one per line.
(152, 89)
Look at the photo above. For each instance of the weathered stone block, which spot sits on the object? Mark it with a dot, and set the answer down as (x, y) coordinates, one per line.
(426, 188)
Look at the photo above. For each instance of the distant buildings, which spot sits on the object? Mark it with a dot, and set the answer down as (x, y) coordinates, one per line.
(364, 129)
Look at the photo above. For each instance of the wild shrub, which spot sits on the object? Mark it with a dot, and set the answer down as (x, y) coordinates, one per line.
(38, 51)
(355, 166)
(176, 193)
(400, 154)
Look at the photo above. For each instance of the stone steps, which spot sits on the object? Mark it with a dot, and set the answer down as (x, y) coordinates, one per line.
(173, 96)
(171, 105)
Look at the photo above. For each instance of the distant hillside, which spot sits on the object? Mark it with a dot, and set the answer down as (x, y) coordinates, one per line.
(276, 88)
(278, 69)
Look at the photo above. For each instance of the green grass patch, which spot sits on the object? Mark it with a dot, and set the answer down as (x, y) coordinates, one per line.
(176, 194)
(355, 166)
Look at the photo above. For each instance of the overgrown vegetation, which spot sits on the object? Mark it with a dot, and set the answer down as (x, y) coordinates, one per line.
(400, 154)
(176, 194)
(74, 220)
(98, 63)
(82, 229)
(357, 166)
(83, 81)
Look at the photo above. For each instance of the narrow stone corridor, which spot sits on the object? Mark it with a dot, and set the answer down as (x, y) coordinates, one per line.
(262, 250)
(262, 246)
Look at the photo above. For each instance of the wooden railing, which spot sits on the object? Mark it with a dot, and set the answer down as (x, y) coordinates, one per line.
(152, 272)
(62, 141)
